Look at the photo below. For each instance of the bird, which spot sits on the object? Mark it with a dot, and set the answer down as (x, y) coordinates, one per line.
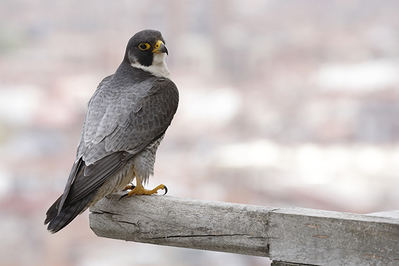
(126, 120)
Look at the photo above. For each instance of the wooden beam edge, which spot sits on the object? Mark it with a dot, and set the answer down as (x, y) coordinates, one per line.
(218, 226)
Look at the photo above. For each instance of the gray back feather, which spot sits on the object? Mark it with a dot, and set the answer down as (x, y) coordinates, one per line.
(127, 113)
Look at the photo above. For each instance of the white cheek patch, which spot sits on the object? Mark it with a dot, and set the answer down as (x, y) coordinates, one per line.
(158, 67)
(159, 59)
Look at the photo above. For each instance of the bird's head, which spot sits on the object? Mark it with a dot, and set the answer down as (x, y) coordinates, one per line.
(146, 48)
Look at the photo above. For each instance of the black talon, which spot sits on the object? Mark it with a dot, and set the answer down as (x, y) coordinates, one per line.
(133, 186)
(124, 195)
(166, 189)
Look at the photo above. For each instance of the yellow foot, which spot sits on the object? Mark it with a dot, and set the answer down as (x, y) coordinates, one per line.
(140, 190)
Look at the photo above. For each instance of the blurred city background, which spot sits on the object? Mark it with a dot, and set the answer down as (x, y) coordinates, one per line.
(282, 103)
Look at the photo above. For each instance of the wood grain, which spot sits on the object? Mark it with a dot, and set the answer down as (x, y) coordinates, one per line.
(302, 236)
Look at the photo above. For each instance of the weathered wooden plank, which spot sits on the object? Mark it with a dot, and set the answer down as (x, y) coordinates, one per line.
(282, 263)
(333, 238)
(389, 214)
(301, 236)
(183, 223)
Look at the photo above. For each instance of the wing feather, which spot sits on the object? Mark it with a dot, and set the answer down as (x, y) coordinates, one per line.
(96, 175)
(81, 189)
(135, 120)
(128, 133)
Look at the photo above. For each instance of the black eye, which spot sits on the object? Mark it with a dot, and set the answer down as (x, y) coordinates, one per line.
(144, 46)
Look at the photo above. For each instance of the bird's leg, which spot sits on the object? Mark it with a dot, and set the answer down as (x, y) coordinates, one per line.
(140, 190)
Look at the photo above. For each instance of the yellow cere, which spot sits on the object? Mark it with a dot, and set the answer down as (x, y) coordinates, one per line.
(157, 46)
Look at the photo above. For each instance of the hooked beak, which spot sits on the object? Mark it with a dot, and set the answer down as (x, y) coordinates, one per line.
(159, 48)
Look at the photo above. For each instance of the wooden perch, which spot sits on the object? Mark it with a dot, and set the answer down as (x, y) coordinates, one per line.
(302, 236)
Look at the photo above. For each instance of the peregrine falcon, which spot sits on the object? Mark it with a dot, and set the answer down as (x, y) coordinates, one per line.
(126, 120)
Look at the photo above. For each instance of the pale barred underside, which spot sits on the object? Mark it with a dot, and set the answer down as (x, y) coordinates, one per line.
(141, 165)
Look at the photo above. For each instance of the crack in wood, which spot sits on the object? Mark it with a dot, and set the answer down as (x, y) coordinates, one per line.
(104, 212)
(127, 222)
(207, 235)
